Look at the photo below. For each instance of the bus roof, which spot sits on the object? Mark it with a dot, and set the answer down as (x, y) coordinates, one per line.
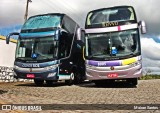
(47, 22)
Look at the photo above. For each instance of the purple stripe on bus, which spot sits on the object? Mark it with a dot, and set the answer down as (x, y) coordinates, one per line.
(104, 63)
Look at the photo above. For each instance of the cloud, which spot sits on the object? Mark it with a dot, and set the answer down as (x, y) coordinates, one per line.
(151, 70)
(150, 55)
(12, 11)
(6, 30)
(150, 48)
(149, 63)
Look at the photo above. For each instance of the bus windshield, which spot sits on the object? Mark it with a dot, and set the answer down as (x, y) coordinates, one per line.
(114, 44)
(42, 21)
(110, 15)
(37, 49)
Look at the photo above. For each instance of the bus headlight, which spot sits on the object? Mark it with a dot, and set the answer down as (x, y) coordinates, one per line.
(15, 67)
(51, 67)
(136, 63)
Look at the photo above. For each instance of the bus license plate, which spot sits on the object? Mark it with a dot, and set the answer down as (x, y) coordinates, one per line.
(30, 75)
(112, 75)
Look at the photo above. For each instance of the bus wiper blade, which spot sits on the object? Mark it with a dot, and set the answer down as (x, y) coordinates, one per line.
(43, 56)
(99, 54)
(131, 54)
(91, 56)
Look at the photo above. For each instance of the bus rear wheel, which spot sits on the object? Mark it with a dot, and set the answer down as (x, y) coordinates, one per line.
(77, 78)
(38, 82)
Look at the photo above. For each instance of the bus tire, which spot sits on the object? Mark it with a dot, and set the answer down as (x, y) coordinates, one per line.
(133, 81)
(98, 82)
(49, 82)
(77, 78)
(38, 82)
(71, 80)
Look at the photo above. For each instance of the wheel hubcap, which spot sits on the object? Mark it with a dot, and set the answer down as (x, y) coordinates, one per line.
(72, 76)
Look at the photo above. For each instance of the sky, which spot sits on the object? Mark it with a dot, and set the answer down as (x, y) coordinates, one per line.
(12, 17)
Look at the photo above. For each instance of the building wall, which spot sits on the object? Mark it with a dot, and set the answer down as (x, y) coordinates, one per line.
(7, 53)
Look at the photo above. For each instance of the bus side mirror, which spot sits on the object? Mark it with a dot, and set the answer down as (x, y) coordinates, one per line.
(9, 36)
(81, 34)
(142, 25)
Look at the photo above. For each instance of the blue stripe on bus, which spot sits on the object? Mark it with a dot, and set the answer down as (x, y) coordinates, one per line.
(38, 34)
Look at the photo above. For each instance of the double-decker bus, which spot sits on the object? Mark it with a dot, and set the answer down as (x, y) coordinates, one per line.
(112, 45)
(48, 50)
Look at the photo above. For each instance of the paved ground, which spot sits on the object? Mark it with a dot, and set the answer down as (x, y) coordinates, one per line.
(147, 92)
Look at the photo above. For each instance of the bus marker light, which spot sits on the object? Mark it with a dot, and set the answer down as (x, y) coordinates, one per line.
(66, 71)
(119, 28)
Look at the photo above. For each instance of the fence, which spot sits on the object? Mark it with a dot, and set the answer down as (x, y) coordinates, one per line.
(7, 75)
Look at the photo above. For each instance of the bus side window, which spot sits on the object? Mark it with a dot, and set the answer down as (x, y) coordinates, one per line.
(134, 46)
(62, 49)
(65, 45)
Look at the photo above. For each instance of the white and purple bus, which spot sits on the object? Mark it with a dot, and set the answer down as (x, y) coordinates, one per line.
(112, 45)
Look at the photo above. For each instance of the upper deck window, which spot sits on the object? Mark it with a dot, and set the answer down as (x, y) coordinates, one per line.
(42, 21)
(110, 15)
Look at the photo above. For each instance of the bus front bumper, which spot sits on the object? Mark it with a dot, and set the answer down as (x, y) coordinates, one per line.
(29, 73)
(119, 72)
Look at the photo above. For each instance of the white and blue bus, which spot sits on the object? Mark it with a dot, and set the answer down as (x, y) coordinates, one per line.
(112, 45)
(48, 50)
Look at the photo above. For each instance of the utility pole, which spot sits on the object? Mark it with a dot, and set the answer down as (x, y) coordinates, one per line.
(26, 13)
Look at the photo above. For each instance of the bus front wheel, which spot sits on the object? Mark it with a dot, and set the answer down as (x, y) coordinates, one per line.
(133, 81)
(38, 82)
(70, 81)
(49, 82)
(77, 78)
